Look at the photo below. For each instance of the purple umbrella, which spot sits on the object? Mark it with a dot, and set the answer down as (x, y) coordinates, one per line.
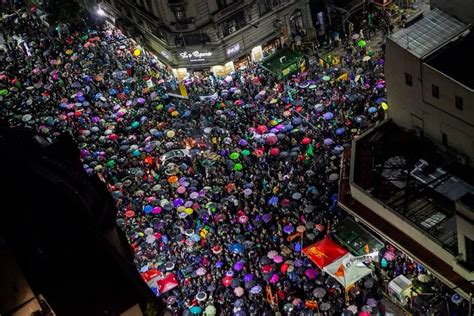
(328, 116)
(340, 131)
(178, 202)
(219, 264)
(141, 100)
(274, 279)
(243, 142)
(273, 201)
(248, 277)
(266, 217)
(311, 273)
(247, 192)
(328, 141)
(288, 229)
(238, 266)
(256, 289)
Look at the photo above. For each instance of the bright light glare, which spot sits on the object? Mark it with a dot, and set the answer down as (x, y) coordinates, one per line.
(100, 12)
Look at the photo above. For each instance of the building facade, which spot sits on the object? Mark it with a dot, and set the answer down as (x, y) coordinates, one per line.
(217, 35)
(429, 87)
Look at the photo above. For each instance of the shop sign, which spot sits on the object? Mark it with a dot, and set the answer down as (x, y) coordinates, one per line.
(231, 50)
(195, 55)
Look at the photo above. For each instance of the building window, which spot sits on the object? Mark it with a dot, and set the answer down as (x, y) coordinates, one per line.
(408, 79)
(435, 91)
(459, 103)
(265, 6)
(180, 14)
(297, 24)
(444, 139)
(224, 3)
(232, 24)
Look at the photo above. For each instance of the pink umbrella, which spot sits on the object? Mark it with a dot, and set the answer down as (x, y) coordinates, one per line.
(239, 291)
(156, 210)
(181, 190)
(389, 255)
(243, 219)
(275, 151)
(278, 259)
(274, 279)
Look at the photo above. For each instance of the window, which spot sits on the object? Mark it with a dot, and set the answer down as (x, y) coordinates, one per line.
(435, 91)
(224, 3)
(265, 6)
(297, 25)
(408, 79)
(232, 24)
(444, 139)
(180, 14)
(459, 103)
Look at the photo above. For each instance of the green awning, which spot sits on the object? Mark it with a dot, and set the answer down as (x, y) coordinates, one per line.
(354, 237)
(283, 62)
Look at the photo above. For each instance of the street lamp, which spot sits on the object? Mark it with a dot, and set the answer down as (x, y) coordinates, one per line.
(100, 11)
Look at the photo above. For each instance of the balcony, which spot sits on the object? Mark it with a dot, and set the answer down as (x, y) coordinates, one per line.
(229, 10)
(175, 3)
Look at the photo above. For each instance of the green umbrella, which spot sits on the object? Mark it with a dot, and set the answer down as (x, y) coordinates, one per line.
(135, 124)
(234, 156)
(361, 43)
(4, 92)
(326, 78)
(159, 107)
(245, 152)
(85, 37)
(111, 163)
(238, 167)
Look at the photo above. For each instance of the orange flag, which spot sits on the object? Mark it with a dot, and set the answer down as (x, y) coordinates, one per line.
(340, 271)
(366, 248)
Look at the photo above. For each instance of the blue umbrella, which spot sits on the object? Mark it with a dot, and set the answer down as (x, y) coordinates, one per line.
(380, 100)
(147, 209)
(236, 248)
(273, 201)
(328, 116)
(340, 131)
(297, 121)
(196, 310)
(372, 109)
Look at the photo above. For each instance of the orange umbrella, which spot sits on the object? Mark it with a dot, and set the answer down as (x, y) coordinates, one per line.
(148, 160)
(173, 179)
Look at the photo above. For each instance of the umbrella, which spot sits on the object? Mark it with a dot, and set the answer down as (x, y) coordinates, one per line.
(234, 156)
(210, 310)
(201, 271)
(306, 141)
(326, 78)
(239, 291)
(311, 273)
(361, 43)
(319, 292)
(236, 248)
(266, 217)
(325, 306)
(256, 289)
(372, 109)
(248, 277)
(340, 131)
(288, 229)
(272, 253)
(195, 310)
(456, 299)
(296, 195)
(328, 141)
(238, 266)
(328, 116)
(424, 278)
(274, 279)
(366, 58)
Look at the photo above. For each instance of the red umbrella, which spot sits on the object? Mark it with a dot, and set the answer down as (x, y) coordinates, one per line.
(258, 152)
(148, 160)
(113, 137)
(306, 141)
(262, 129)
(271, 140)
(267, 268)
(275, 151)
(150, 274)
(227, 281)
(129, 214)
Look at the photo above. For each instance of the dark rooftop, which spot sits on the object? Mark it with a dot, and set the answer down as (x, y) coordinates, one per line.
(410, 176)
(455, 59)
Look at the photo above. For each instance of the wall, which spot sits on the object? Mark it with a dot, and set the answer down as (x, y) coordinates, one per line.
(403, 100)
(457, 124)
(461, 9)
(415, 107)
(465, 228)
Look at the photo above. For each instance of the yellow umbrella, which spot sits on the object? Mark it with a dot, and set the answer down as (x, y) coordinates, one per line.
(181, 209)
(273, 101)
(170, 134)
(137, 52)
(188, 211)
(174, 113)
(69, 52)
(384, 106)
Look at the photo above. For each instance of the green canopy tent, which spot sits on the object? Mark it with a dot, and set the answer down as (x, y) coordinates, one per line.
(354, 237)
(284, 62)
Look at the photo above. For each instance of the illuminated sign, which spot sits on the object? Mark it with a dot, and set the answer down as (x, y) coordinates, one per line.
(231, 50)
(195, 55)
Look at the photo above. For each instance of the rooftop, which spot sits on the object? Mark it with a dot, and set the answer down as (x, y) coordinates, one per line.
(447, 60)
(393, 234)
(410, 176)
(431, 32)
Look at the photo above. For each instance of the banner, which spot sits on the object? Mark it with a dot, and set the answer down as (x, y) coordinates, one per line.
(324, 252)
(179, 153)
(348, 262)
(168, 283)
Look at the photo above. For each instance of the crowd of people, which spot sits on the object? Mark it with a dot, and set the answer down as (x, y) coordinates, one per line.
(213, 188)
